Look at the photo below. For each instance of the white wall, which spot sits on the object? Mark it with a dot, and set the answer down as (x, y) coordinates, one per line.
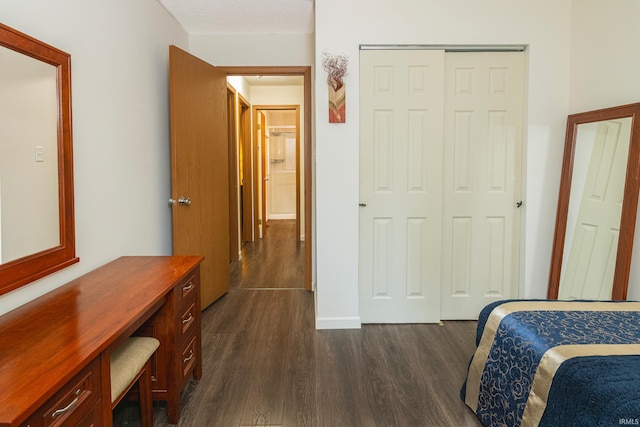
(340, 28)
(604, 63)
(253, 49)
(240, 84)
(605, 70)
(119, 57)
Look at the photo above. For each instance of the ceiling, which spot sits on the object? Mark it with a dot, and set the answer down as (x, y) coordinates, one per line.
(243, 16)
(246, 17)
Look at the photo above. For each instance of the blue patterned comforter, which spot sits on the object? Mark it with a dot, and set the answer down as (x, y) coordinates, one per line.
(556, 363)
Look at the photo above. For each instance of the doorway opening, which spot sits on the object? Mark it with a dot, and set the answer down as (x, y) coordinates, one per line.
(261, 131)
(278, 138)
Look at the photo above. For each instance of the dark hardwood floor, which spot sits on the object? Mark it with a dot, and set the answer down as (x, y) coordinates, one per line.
(265, 364)
(277, 261)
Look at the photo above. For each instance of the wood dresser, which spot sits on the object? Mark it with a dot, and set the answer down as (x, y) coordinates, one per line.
(54, 350)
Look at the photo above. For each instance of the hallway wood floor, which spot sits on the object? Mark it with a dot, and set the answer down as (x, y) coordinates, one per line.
(277, 261)
(264, 363)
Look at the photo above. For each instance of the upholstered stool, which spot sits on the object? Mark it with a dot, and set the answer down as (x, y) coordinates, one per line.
(131, 362)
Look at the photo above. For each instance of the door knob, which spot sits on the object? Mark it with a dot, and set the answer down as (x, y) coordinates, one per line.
(182, 201)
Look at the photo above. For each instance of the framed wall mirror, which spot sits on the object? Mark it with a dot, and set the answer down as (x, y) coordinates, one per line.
(597, 205)
(36, 161)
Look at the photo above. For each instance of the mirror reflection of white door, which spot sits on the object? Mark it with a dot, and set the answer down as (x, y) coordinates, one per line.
(593, 220)
(281, 166)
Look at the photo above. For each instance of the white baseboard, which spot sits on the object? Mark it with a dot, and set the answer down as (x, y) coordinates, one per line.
(338, 323)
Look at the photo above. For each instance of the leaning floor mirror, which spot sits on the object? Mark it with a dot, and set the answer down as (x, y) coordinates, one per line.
(597, 205)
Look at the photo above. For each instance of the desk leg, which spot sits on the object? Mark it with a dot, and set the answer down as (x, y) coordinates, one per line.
(174, 383)
(173, 408)
(197, 369)
(105, 393)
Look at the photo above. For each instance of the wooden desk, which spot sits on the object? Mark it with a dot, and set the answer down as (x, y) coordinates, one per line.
(54, 351)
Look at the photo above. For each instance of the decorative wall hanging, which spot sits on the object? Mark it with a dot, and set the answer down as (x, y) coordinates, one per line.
(336, 68)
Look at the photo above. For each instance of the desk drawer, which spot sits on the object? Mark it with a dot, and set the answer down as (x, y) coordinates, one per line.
(188, 321)
(186, 290)
(189, 357)
(74, 403)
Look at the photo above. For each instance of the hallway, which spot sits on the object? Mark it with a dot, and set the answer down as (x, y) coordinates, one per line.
(277, 261)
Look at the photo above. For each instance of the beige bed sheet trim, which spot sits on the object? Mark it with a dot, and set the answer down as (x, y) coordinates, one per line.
(549, 364)
(493, 321)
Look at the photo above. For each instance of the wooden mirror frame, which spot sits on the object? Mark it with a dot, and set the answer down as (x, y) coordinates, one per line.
(629, 203)
(24, 270)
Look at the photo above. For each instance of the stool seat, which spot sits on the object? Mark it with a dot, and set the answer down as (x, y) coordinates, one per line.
(131, 362)
(128, 360)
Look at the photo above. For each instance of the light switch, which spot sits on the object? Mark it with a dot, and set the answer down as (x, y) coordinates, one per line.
(39, 153)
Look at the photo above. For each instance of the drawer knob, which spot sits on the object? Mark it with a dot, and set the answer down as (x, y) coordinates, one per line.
(69, 407)
(187, 320)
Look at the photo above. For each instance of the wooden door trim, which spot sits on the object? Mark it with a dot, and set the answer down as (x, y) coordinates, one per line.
(244, 128)
(304, 71)
(263, 159)
(234, 235)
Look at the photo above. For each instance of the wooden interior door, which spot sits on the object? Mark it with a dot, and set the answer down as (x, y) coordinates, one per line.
(200, 168)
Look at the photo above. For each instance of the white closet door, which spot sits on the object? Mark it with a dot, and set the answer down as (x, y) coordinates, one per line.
(401, 99)
(482, 180)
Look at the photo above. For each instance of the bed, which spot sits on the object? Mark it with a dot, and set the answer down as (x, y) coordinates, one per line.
(556, 363)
